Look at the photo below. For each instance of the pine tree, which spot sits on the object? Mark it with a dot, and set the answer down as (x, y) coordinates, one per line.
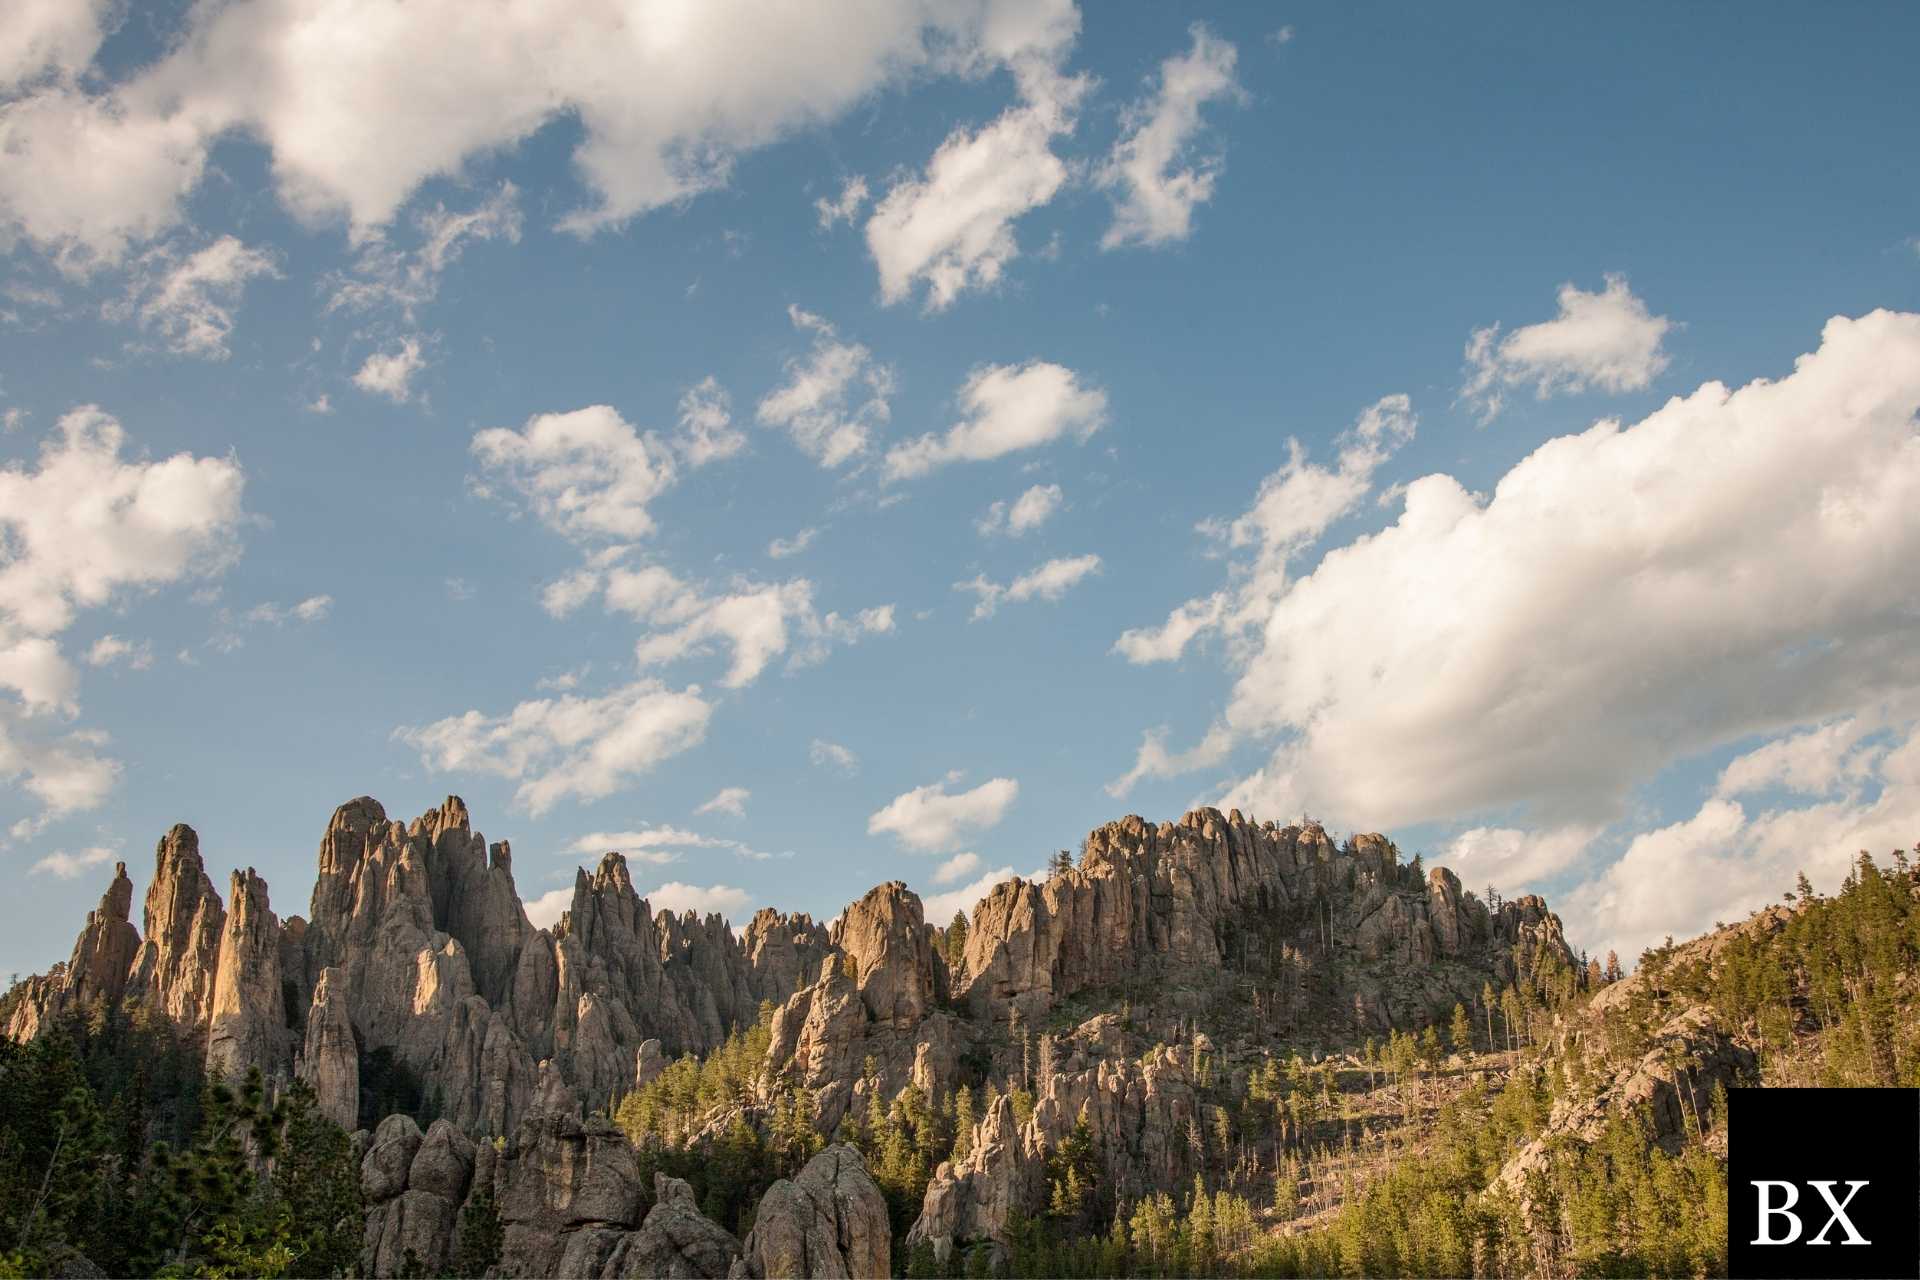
(1461, 1032)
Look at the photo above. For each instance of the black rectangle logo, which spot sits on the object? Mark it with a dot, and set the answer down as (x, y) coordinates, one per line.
(1823, 1182)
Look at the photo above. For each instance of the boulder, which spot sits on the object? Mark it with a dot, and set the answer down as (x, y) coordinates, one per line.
(830, 1220)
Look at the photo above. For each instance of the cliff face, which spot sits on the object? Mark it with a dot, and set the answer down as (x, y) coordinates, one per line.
(418, 946)
(417, 962)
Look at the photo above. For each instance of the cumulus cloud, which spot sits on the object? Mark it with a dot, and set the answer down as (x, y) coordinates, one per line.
(1734, 564)
(1028, 512)
(1153, 760)
(111, 649)
(358, 104)
(702, 900)
(844, 207)
(781, 548)
(1295, 506)
(834, 399)
(662, 845)
(81, 527)
(390, 373)
(1729, 857)
(960, 864)
(1049, 581)
(188, 303)
(387, 275)
(1606, 340)
(731, 801)
(1006, 408)
(545, 911)
(755, 622)
(833, 756)
(1513, 856)
(942, 907)
(71, 866)
(951, 227)
(86, 524)
(930, 820)
(567, 746)
(707, 433)
(52, 39)
(587, 474)
(311, 609)
(1156, 180)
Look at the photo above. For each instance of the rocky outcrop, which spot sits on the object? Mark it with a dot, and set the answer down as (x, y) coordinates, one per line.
(1172, 896)
(566, 1191)
(830, 1220)
(248, 1023)
(878, 1002)
(1140, 1115)
(184, 920)
(97, 971)
(330, 1061)
(1672, 1084)
(414, 1185)
(674, 1241)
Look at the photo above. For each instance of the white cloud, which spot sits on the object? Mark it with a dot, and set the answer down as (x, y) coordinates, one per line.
(1049, 581)
(781, 548)
(49, 38)
(1813, 762)
(87, 524)
(960, 864)
(952, 227)
(731, 801)
(358, 104)
(1513, 858)
(35, 669)
(189, 303)
(311, 609)
(832, 401)
(110, 649)
(82, 528)
(660, 845)
(64, 773)
(1006, 408)
(1734, 564)
(567, 746)
(845, 207)
(707, 433)
(928, 819)
(71, 866)
(833, 755)
(1169, 640)
(1728, 859)
(1153, 760)
(700, 899)
(1606, 340)
(545, 911)
(1295, 506)
(587, 474)
(386, 275)
(941, 908)
(755, 621)
(390, 373)
(1157, 181)
(1028, 512)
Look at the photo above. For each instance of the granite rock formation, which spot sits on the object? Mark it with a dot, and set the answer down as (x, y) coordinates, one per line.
(417, 964)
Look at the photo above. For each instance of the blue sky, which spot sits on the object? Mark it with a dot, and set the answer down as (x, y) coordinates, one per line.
(1198, 292)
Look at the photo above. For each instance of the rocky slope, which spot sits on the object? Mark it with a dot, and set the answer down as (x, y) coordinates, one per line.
(417, 975)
